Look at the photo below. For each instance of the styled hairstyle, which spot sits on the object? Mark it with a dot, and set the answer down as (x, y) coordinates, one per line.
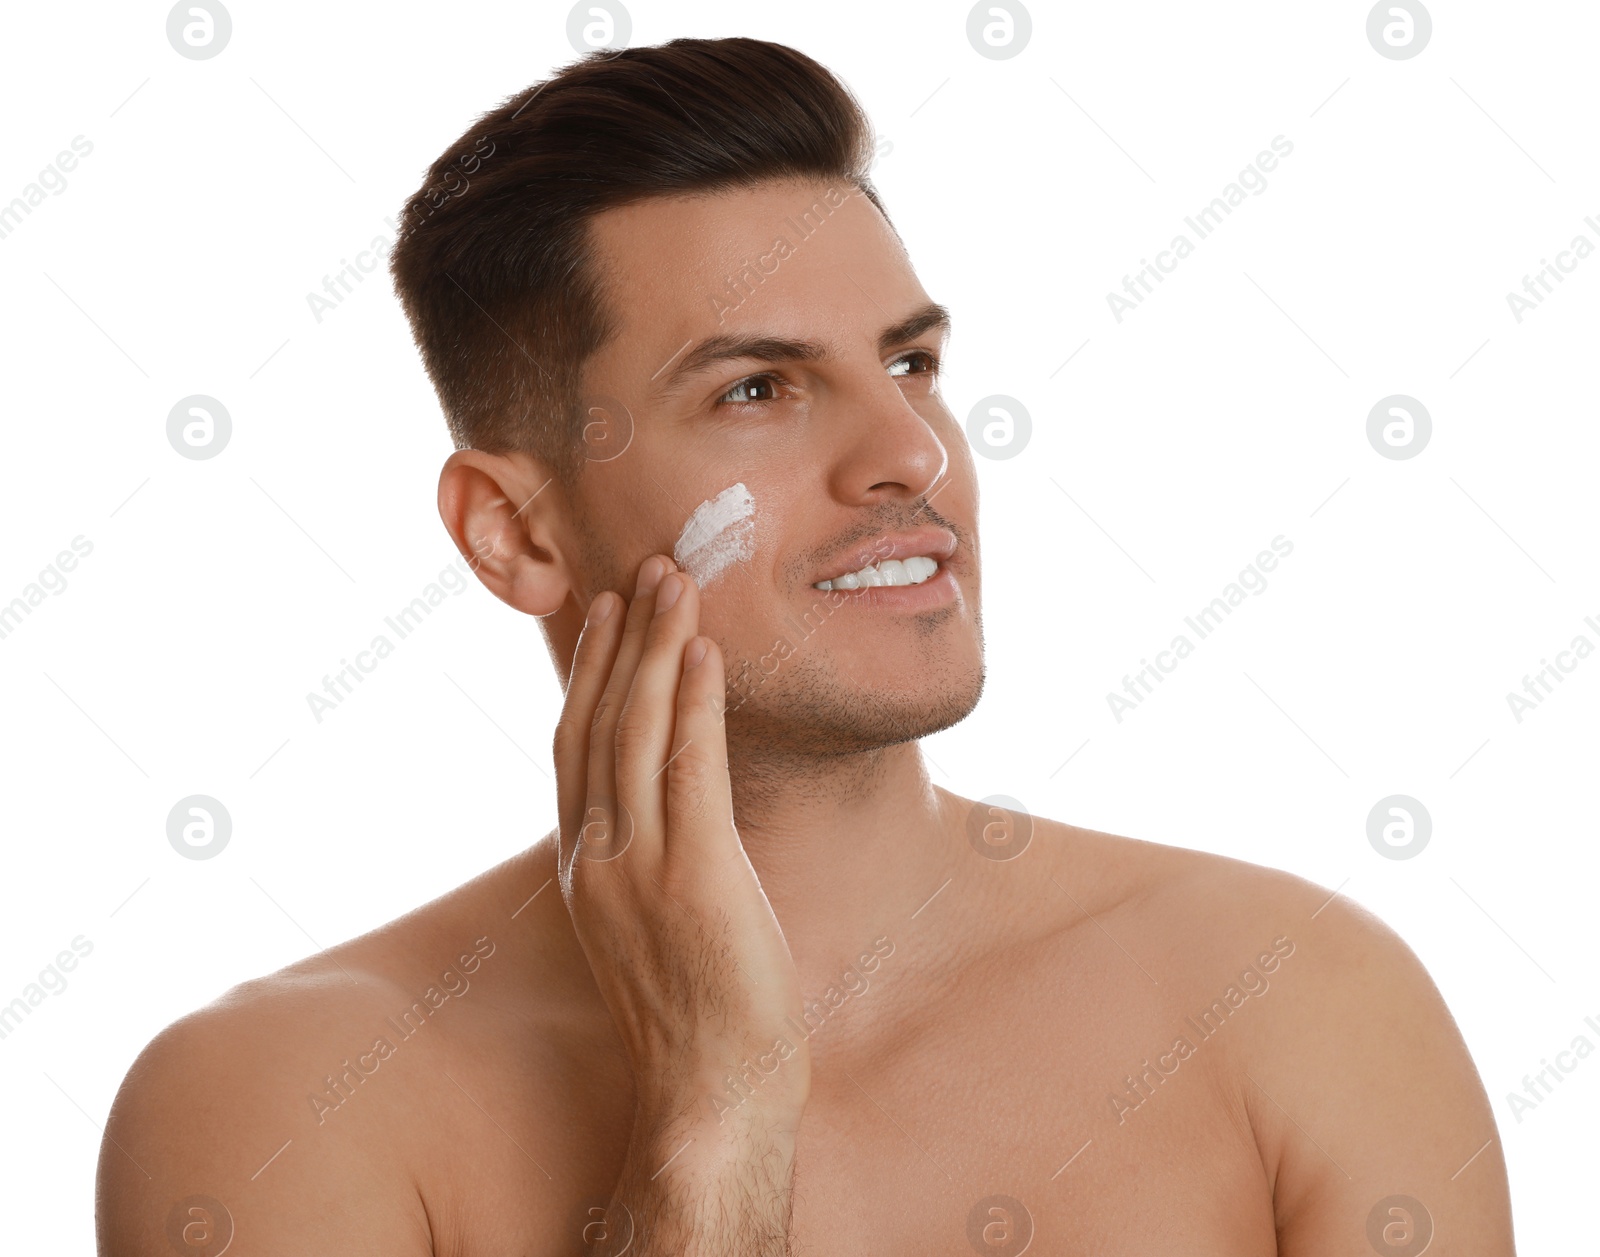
(493, 262)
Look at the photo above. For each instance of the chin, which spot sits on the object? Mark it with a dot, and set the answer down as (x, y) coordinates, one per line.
(805, 711)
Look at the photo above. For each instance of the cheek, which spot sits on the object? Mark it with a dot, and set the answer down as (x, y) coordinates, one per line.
(719, 533)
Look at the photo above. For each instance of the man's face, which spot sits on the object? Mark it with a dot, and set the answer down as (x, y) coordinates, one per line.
(811, 380)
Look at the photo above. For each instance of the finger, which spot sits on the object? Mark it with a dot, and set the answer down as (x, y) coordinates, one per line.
(601, 804)
(644, 738)
(699, 794)
(591, 668)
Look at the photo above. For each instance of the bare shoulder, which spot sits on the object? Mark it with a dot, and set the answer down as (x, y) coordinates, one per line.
(1197, 910)
(1359, 1090)
(212, 1130)
(285, 1109)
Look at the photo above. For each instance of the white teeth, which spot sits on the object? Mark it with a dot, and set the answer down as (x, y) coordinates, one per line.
(912, 571)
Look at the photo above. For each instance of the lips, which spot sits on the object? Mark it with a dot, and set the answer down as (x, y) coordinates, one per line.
(937, 544)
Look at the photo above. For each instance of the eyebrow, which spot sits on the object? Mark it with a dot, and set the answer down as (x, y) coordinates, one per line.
(718, 349)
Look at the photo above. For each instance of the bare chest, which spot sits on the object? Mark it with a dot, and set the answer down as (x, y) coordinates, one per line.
(989, 1120)
(1005, 1143)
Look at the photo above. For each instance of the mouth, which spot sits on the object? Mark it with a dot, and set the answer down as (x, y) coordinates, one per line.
(896, 561)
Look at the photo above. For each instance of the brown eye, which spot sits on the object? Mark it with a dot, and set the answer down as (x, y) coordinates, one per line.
(756, 388)
(917, 362)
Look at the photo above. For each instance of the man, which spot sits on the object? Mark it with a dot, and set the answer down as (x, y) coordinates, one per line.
(765, 988)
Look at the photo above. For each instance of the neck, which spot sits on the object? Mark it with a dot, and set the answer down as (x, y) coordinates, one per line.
(846, 847)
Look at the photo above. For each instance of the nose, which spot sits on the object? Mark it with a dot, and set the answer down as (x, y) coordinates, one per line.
(886, 450)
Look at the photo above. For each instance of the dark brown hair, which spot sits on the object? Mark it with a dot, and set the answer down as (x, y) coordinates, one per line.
(492, 261)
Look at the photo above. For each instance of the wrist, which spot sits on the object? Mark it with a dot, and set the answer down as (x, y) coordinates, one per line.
(707, 1144)
(761, 1091)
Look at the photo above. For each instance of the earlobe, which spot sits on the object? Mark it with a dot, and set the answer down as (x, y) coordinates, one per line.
(504, 514)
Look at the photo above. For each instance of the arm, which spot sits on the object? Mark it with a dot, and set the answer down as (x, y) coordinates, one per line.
(1368, 1064)
(722, 1191)
(682, 941)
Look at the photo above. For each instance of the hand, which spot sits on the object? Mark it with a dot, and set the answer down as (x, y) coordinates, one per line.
(683, 944)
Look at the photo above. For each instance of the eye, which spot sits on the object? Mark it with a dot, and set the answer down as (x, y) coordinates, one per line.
(767, 386)
(916, 362)
(753, 388)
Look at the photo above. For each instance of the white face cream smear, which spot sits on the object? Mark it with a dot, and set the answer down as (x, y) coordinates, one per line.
(721, 532)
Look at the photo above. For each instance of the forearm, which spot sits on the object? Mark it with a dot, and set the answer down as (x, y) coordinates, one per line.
(702, 1190)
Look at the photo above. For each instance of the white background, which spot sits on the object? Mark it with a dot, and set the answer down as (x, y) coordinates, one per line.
(1229, 408)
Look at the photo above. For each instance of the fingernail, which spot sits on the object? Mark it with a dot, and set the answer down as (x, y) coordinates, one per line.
(649, 577)
(668, 594)
(600, 609)
(696, 654)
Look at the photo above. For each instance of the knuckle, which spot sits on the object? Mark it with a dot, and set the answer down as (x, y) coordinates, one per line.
(583, 887)
(708, 713)
(690, 782)
(605, 713)
(634, 735)
(569, 738)
(694, 705)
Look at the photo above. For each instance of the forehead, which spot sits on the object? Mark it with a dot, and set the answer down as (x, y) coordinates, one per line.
(809, 258)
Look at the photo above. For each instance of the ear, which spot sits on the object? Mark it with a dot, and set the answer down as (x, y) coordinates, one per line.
(507, 515)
